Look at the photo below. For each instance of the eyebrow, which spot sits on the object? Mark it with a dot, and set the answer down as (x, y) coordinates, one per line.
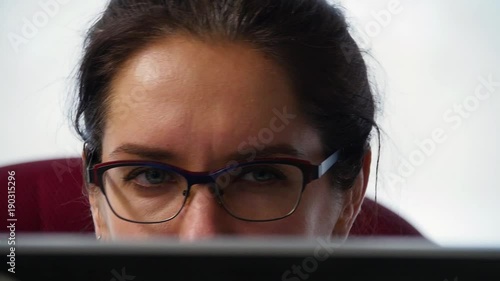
(268, 152)
(151, 153)
(158, 154)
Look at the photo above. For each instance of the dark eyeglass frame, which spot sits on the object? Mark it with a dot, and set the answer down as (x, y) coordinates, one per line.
(310, 172)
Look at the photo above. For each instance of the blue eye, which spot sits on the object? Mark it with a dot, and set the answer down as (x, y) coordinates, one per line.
(262, 174)
(149, 177)
(154, 176)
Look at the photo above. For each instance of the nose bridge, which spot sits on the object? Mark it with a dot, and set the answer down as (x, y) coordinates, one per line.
(197, 179)
(206, 182)
(202, 193)
(202, 214)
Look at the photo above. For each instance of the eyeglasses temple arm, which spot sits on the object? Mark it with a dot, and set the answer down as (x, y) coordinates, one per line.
(89, 159)
(328, 163)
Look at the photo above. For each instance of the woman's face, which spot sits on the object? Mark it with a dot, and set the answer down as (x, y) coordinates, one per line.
(200, 106)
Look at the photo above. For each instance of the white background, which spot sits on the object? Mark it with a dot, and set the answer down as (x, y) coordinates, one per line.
(426, 58)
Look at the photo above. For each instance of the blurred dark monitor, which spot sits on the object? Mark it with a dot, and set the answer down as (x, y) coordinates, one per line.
(81, 257)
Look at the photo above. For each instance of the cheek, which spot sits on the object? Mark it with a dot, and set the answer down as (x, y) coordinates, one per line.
(117, 227)
(319, 208)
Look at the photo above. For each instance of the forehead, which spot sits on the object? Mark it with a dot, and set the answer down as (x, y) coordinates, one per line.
(209, 79)
(185, 69)
(182, 92)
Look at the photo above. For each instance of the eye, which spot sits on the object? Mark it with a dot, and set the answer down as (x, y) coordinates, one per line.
(262, 174)
(150, 177)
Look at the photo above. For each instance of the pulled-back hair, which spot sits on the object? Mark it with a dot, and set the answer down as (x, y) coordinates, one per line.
(308, 38)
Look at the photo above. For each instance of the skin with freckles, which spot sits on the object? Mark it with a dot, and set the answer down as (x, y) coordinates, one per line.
(196, 105)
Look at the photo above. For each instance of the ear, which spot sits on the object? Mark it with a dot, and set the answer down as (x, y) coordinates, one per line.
(96, 207)
(96, 204)
(352, 200)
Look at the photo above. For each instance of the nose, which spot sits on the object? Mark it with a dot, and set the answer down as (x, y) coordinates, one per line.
(203, 216)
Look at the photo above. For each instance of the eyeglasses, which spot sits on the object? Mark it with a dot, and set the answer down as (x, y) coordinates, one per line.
(152, 192)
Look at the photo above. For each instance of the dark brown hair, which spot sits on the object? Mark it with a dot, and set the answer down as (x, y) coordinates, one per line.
(308, 38)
